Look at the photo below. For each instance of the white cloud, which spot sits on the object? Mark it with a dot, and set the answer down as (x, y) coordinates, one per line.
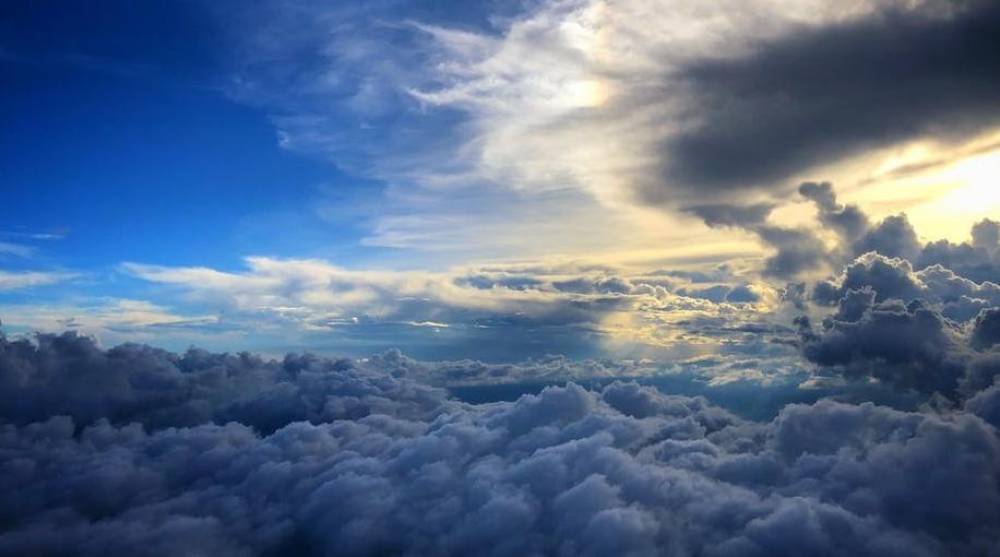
(11, 280)
(623, 311)
(17, 250)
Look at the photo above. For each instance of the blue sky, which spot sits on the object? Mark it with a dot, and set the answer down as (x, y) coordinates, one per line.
(457, 179)
(120, 117)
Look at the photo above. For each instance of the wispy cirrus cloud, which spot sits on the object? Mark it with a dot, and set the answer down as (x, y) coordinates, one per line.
(17, 250)
(12, 280)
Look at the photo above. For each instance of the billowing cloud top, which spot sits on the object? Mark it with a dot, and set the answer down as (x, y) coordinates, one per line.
(236, 455)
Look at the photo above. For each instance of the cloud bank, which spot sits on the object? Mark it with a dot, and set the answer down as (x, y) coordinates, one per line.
(238, 456)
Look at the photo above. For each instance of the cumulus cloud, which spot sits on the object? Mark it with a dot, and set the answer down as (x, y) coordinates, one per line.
(374, 463)
(68, 374)
(928, 330)
(907, 345)
(986, 329)
(978, 260)
(912, 315)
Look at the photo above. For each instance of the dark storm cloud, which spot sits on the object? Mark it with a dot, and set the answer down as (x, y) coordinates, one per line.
(893, 237)
(795, 249)
(978, 260)
(914, 316)
(986, 328)
(739, 216)
(929, 330)
(625, 470)
(907, 345)
(847, 220)
(824, 93)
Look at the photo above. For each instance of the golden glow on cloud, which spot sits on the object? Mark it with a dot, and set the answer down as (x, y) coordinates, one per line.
(976, 193)
(942, 189)
(587, 93)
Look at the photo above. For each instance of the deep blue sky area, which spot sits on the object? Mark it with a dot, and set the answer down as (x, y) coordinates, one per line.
(117, 134)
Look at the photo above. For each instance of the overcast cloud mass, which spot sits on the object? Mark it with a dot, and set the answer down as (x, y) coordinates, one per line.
(552, 277)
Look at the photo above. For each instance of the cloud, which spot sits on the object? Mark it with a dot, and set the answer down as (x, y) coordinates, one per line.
(971, 267)
(17, 250)
(893, 237)
(452, 113)
(796, 250)
(516, 310)
(847, 220)
(712, 112)
(986, 405)
(313, 455)
(821, 93)
(906, 345)
(902, 317)
(68, 374)
(978, 260)
(11, 280)
(986, 328)
(906, 328)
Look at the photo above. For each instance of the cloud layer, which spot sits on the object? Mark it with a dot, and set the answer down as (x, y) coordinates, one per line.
(238, 456)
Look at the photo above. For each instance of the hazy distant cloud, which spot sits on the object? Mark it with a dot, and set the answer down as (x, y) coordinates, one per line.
(535, 309)
(112, 319)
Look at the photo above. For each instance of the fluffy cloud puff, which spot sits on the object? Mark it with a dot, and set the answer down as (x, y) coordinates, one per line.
(69, 375)
(908, 345)
(929, 330)
(624, 470)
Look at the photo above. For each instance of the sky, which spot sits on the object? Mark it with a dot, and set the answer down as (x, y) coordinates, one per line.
(533, 277)
(350, 177)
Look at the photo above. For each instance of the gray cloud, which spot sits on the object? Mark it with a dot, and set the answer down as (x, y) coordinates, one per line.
(795, 249)
(822, 93)
(847, 220)
(623, 470)
(907, 345)
(978, 260)
(893, 237)
(986, 329)
(68, 374)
